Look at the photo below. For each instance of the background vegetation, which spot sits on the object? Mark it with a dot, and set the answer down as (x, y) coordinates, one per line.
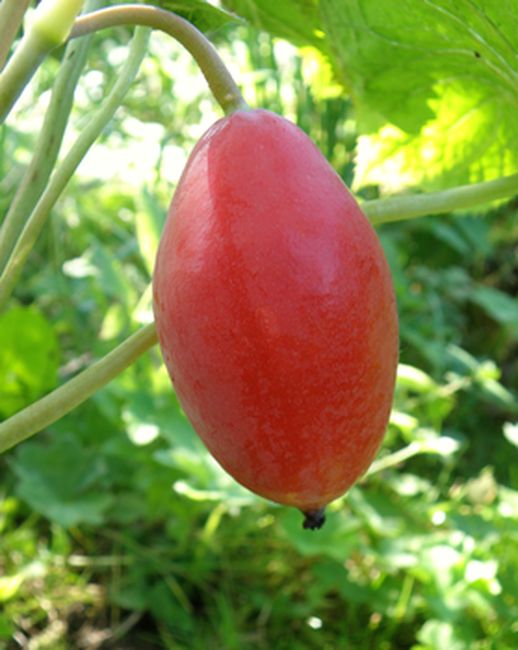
(118, 530)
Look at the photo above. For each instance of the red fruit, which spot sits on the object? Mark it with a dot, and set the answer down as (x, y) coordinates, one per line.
(276, 314)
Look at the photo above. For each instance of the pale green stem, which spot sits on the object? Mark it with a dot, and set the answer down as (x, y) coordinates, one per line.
(47, 147)
(50, 25)
(413, 449)
(11, 17)
(70, 163)
(218, 77)
(20, 68)
(458, 198)
(64, 399)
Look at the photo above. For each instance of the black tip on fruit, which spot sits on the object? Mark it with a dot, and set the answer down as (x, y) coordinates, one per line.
(314, 519)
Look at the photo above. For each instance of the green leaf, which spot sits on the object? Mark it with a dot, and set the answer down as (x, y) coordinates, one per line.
(131, 593)
(331, 577)
(9, 586)
(438, 635)
(436, 88)
(6, 627)
(448, 234)
(414, 379)
(378, 513)
(435, 84)
(149, 220)
(29, 358)
(298, 21)
(508, 503)
(63, 481)
(205, 16)
(497, 304)
(112, 276)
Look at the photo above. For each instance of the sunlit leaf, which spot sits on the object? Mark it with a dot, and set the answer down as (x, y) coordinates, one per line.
(205, 16)
(414, 379)
(435, 85)
(9, 586)
(298, 21)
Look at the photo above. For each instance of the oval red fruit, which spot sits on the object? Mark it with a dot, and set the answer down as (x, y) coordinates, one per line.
(275, 313)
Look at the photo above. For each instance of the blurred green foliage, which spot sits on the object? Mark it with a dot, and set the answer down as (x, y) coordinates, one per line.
(117, 529)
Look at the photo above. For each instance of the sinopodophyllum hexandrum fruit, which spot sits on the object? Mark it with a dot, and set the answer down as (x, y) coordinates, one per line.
(275, 313)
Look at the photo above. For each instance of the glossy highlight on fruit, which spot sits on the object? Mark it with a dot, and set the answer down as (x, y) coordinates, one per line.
(275, 313)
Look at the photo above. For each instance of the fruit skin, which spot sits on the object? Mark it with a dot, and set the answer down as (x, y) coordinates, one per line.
(275, 312)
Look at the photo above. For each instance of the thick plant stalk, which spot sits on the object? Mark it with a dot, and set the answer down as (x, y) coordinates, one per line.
(49, 142)
(11, 17)
(49, 27)
(218, 77)
(64, 399)
(400, 208)
(70, 163)
(19, 71)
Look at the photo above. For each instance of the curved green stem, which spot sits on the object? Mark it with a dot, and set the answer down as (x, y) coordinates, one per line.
(399, 208)
(70, 163)
(64, 399)
(11, 17)
(220, 81)
(48, 144)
